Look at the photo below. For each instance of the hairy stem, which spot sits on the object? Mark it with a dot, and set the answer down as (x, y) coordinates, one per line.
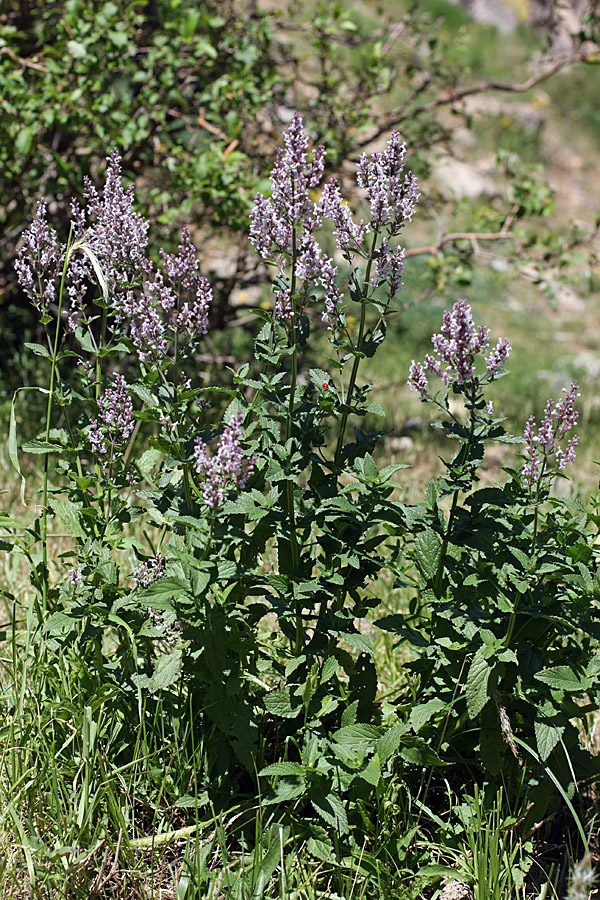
(53, 368)
(357, 356)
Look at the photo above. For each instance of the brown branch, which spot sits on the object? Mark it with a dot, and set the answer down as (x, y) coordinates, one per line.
(482, 88)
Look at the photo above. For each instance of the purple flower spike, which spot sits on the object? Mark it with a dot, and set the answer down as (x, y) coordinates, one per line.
(456, 348)
(228, 467)
(543, 444)
(188, 289)
(392, 192)
(331, 206)
(38, 261)
(118, 235)
(114, 425)
(417, 379)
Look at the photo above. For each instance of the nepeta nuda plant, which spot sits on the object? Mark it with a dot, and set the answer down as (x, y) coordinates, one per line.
(191, 524)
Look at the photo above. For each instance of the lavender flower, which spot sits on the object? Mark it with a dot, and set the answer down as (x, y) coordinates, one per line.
(331, 206)
(391, 191)
(543, 444)
(191, 291)
(390, 263)
(39, 260)
(146, 326)
(284, 224)
(114, 425)
(456, 348)
(118, 235)
(149, 571)
(75, 576)
(227, 468)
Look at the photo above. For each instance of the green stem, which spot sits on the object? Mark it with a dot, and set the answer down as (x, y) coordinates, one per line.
(357, 355)
(439, 575)
(289, 487)
(44, 523)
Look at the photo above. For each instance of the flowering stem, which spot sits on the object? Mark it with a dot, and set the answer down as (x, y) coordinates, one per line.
(289, 486)
(357, 354)
(53, 367)
(464, 456)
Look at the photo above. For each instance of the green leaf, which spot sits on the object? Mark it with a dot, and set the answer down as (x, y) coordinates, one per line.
(13, 449)
(69, 515)
(39, 350)
(24, 140)
(423, 712)
(477, 682)
(428, 548)
(60, 623)
(563, 678)
(417, 752)
(371, 773)
(357, 737)
(330, 808)
(360, 642)
(166, 671)
(284, 768)
(38, 447)
(321, 849)
(389, 742)
(547, 737)
(162, 592)
(278, 703)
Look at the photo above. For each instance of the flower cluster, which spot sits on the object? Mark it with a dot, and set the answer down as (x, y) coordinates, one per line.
(149, 571)
(118, 235)
(543, 444)
(282, 226)
(187, 292)
(456, 348)
(390, 264)
(38, 261)
(114, 425)
(331, 205)
(228, 467)
(391, 191)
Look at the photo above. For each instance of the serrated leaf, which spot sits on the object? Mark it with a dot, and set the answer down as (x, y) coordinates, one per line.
(423, 712)
(370, 470)
(163, 591)
(59, 623)
(38, 447)
(69, 515)
(357, 737)
(285, 789)
(360, 642)
(477, 682)
(321, 849)
(166, 671)
(547, 737)
(428, 548)
(417, 752)
(330, 667)
(39, 350)
(371, 773)
(330, 808)
(563, 678)
(389, 742)
(284, 768)
(278, 703)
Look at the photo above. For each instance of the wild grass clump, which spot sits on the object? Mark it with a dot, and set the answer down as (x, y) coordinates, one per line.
(191, 689)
